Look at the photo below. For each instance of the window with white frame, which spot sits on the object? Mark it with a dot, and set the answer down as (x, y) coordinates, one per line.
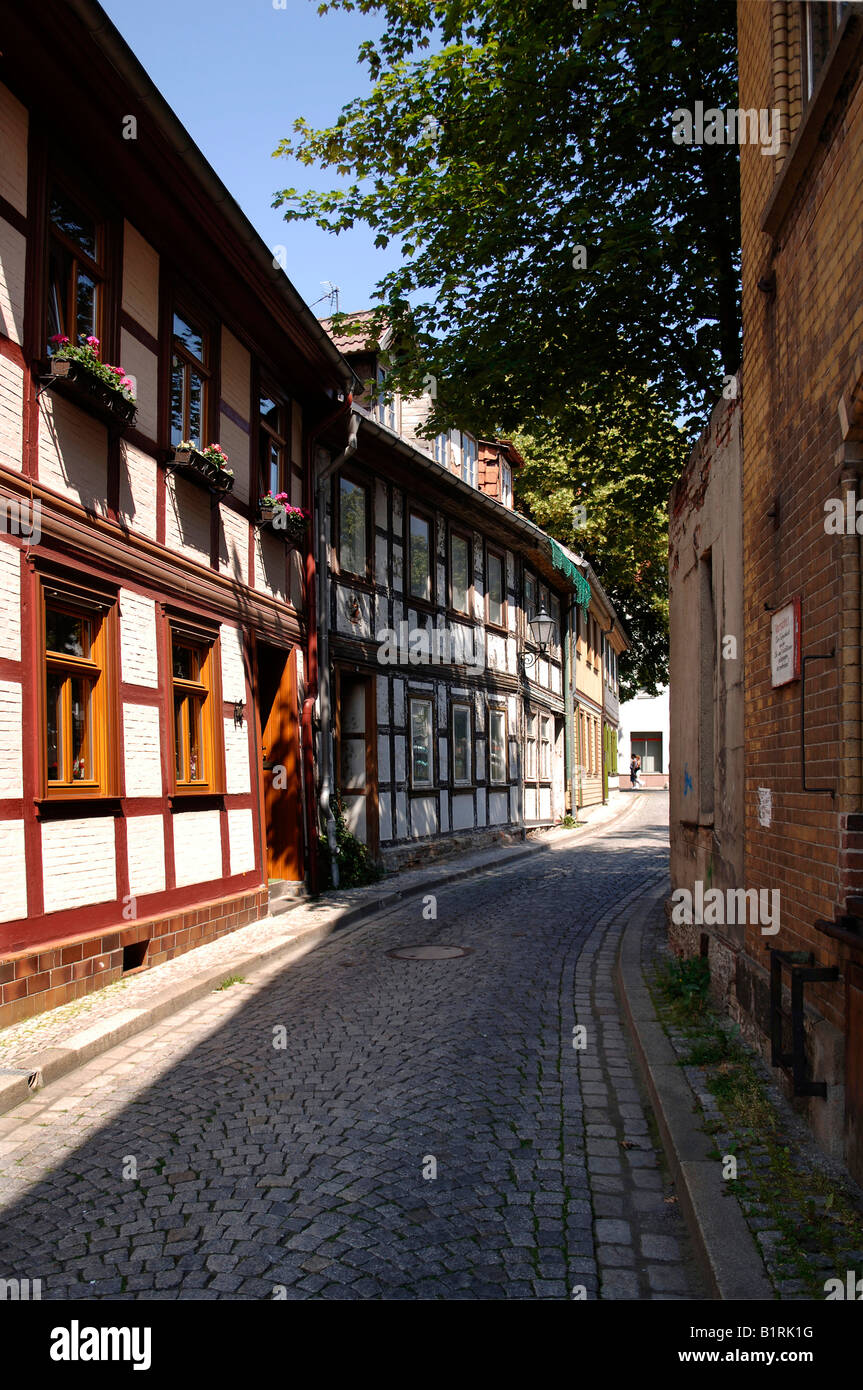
(530, 749)
(506, 484)
(545, 748)
(821, 20)
(461, 745)
(385, 408)
(421, 743)
(497, 745)
(441, 449)
(469, 459)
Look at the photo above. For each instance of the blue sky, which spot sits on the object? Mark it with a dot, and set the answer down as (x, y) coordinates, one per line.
(237, 72)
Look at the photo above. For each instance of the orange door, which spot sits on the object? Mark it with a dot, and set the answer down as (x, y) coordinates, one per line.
(280, 762)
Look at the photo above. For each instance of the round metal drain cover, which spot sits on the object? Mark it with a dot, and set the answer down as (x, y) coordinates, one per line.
(429, 952)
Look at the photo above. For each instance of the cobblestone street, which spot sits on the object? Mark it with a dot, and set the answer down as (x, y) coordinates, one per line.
(427, 1131)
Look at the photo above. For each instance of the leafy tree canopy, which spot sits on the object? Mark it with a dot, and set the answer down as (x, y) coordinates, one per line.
(497, 138)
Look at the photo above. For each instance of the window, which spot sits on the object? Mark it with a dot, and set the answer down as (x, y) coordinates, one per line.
(194, 741)
(649, 749)
(353, 513)
(529, 600)
(420, 557)
(459, 558)
(461, 745)
(441, 449)
(75, 272)
(76, 736)
(557, 635)
(530, 749)
(189, 378)
(505, 484)
(273, 451)
(468, 459)
(545, 749)
(494, 582)
(421, 743)
(385, 407)
(821, 20)
(496, 745)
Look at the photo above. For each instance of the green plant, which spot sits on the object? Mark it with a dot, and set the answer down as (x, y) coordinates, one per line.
(685, 983)
(356, 866)
(87, 357)
(231, 980)
(567, 822)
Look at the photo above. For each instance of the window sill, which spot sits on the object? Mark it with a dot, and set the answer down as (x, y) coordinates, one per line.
(61, 806)
(839, 61)
(210, 800)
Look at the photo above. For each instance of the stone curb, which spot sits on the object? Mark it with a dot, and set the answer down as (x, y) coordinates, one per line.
(719, 1232)
(56, 1062)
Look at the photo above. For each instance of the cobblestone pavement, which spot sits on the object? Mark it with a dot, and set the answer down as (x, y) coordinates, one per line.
(427, 1130)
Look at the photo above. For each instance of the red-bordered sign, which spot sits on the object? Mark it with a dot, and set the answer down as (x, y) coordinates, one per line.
(785, 644)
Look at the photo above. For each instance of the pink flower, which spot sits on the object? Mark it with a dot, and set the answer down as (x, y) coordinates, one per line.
(91, 341)
(60, 339)
(281, 496)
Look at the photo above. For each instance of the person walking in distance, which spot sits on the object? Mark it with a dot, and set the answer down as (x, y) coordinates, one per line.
(633, 772)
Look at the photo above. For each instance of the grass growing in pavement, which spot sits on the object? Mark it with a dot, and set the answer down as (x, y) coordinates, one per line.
(817, 1219)
(231, 980)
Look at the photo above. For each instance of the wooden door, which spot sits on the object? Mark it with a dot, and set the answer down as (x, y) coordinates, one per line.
(280, 762)
(356, 763)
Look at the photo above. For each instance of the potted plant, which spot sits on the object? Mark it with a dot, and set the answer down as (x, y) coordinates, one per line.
(209, 464)
(105, 390)
(275, 510)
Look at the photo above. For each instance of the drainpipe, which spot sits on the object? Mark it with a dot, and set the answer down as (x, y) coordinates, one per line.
(312, 680)
(568, 677)
(323, 478)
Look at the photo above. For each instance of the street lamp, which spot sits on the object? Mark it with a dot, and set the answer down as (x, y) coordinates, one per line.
(542, 628)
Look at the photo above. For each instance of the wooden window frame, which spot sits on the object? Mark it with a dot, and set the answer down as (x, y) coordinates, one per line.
(466, 612)
(356, 480)
(410, 597)
(530, 578)
(468, 709)
(498, 555)
(104, 717)
(101, 269)
(472, 482)
(421, 700)
(505, 492)
(193, 635)
(197, 317)
(493, 711)
(281, 436)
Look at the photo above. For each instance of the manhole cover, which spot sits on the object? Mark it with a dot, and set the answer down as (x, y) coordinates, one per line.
(429, 952)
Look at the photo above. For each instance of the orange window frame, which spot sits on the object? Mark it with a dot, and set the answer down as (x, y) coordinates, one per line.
(98, 667)
(202, 687)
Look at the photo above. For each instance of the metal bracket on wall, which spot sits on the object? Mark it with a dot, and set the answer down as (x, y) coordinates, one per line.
(813, 656)
(803, 971)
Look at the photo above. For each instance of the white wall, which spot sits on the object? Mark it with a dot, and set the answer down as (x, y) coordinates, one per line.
(643, 716)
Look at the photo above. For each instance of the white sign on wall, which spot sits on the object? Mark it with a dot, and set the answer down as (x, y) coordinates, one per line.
(785, 644)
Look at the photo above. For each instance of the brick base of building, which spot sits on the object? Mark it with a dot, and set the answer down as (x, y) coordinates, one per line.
(741, 987)
(418, 853)
(33, 982)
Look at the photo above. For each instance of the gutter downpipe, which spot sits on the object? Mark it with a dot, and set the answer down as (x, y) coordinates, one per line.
(568, 677)
(325, 794)
(312, 684)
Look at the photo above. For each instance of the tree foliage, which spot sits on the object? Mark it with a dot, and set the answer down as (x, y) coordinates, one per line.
(497, 137)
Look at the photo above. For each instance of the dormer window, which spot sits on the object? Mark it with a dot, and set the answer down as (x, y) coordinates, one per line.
(385, 409)
(468, 459)
(505, 484)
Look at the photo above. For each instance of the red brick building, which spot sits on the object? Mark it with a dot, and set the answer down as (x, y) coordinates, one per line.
(802, 239)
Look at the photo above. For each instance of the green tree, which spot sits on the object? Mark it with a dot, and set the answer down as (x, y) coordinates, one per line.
(500, 135)
(602, 489)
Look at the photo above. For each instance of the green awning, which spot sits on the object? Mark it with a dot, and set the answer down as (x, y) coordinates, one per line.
(562, 562)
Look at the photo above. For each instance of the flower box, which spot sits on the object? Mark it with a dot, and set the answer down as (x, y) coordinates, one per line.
(287, 521)
(77, 383)
(200, 466)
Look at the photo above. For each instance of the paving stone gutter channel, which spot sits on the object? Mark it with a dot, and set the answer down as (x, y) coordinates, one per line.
(43, 1049)
(722, 1239)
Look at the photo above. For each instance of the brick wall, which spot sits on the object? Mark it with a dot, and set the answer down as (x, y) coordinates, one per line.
(31, 982)
(800, 341)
